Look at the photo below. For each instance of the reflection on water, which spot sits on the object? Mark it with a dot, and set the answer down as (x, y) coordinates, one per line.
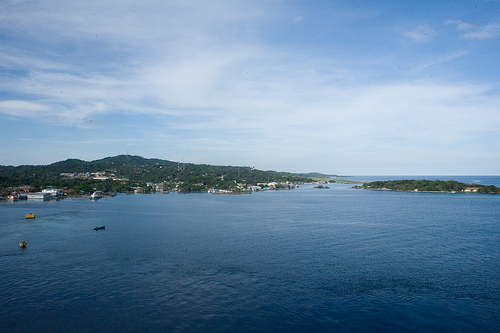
(300, 260)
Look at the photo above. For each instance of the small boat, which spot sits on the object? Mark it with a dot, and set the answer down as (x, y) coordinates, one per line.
(100, 228)
(29, 216)
(22, 244)
(13, 197)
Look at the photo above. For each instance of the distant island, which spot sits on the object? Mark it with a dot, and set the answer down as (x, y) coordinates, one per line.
(422, 185)
(136, 174)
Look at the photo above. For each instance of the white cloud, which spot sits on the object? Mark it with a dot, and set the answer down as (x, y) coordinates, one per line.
(439, 60)
(460, 24)
(21, 108)
(487, 32)
(422, 33)
(192, 79)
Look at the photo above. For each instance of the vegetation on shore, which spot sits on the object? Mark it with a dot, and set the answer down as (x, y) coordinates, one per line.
(429, 186)
(125, 173)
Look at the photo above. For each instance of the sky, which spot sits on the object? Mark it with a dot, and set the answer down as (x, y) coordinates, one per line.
(340, 87)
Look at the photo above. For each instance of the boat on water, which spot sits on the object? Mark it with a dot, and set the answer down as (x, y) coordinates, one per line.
(23, 244)
(29, 216)
(13, 196)
(96, 195)
(100, 228)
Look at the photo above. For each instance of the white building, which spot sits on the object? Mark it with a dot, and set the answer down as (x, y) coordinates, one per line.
(39, 196)
(53, 192)
(255, 188)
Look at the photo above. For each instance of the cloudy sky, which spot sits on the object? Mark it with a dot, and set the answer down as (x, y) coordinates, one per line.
(341, 87)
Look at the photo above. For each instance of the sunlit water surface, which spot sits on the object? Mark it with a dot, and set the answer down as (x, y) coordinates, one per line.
(309, 259)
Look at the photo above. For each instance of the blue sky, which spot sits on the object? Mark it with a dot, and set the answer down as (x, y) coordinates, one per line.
(340, 87)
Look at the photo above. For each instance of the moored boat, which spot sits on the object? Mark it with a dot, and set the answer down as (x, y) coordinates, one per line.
(13, 196)
(96, 195)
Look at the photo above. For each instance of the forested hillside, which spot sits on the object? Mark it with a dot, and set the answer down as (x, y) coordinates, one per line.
(430, 186)
(124, 172)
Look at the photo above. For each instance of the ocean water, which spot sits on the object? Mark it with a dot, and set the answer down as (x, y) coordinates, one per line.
(303, 260)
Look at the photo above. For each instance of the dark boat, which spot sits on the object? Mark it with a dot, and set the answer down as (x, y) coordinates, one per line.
(100, 228)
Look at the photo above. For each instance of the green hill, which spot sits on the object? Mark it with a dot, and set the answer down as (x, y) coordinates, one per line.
(124, 172)
(430, 186)
(317, 175)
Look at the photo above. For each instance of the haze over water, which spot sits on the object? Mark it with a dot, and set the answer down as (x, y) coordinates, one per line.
(336, 259)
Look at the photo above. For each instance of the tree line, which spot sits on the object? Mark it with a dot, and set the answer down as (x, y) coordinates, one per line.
(138, 172)
(430, 186)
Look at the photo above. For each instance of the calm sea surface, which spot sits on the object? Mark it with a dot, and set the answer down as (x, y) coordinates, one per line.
(304, 260)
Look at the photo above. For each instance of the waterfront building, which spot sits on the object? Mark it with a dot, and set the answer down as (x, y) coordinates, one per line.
(53, 192)
(39, 196)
